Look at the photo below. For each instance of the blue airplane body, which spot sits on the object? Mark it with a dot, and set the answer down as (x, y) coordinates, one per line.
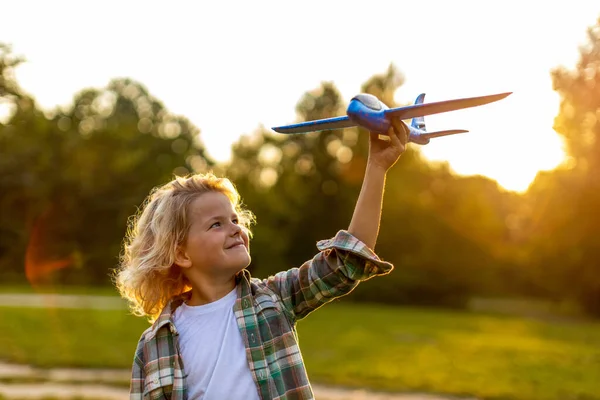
(369, 112)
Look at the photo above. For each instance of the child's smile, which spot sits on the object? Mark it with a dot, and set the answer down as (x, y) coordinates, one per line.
(216, 243)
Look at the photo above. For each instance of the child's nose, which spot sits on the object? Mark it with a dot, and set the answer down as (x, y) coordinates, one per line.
(236, 229)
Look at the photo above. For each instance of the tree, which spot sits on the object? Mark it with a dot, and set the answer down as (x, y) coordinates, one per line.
(69, 181)
(565, 217)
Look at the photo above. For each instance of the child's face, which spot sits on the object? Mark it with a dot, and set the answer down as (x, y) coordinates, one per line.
(216, 244)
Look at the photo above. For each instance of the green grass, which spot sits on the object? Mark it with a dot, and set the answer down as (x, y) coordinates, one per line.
(491, 357)
(385, 348)
(77, 338)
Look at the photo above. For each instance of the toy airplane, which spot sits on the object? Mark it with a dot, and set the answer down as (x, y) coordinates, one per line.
(369, 112)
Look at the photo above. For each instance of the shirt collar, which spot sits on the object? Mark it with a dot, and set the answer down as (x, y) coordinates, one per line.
(166, 315)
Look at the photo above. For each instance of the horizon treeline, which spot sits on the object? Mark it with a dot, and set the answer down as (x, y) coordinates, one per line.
(70, 179)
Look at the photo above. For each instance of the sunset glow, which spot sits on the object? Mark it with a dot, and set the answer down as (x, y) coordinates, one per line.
(230, 79)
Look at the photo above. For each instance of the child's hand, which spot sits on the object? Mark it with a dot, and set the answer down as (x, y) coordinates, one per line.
(385, 152)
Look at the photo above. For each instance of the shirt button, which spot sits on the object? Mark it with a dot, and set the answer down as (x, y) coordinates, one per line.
(252, 339)
(245, 303)
(156, 381)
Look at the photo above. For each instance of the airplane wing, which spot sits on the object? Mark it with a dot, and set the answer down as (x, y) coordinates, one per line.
(419, 110)
(320, 125)
(429, 135)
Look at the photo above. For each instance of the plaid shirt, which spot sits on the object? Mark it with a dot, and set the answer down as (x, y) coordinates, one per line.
(266, 312)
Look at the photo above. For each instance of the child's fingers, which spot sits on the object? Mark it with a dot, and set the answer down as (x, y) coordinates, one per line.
(394, 136)
(401, 130)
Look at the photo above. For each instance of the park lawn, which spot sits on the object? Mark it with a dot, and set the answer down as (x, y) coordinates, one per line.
(384, 348)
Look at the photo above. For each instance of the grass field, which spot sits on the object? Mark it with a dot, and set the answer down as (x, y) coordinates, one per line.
(385, 348)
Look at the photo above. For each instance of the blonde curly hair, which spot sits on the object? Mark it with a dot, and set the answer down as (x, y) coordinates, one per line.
(147, 275)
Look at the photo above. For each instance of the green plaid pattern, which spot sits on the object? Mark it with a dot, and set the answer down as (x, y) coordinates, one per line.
(266, 312)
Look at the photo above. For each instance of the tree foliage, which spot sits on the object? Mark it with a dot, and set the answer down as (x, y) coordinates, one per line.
(564, 217)
(70, 179)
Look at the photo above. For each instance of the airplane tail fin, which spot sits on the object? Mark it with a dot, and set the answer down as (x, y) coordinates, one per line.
(419, 122)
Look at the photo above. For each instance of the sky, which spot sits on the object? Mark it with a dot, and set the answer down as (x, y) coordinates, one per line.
(233, 66)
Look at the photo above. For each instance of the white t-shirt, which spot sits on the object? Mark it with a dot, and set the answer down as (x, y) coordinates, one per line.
(213, 353)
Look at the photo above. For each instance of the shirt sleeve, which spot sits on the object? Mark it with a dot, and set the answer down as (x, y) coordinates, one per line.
(136, 386)
(341, 264)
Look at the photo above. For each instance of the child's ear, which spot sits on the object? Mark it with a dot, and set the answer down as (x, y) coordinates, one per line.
(181, 257)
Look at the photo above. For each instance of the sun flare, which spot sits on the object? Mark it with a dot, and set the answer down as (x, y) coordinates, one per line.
(494, 48)
(508, 141)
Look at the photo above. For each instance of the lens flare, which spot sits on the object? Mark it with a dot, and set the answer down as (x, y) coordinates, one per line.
(38, 266)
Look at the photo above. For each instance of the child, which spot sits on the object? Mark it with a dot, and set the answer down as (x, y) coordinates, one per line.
(184, 264)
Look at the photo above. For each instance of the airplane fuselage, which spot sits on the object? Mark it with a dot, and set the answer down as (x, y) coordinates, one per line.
(369, 112)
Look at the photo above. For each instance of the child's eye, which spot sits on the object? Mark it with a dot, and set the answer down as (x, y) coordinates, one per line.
(215, 225)
(235, 221)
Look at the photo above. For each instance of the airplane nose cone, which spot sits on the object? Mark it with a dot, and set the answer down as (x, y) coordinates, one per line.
(368, 100)
(372, 119)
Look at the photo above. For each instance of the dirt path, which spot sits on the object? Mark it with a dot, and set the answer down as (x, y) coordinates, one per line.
(104, 392)
(65, 383)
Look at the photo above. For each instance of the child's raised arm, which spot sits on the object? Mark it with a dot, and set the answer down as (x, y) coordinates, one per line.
(383, 154)
(348, 258)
